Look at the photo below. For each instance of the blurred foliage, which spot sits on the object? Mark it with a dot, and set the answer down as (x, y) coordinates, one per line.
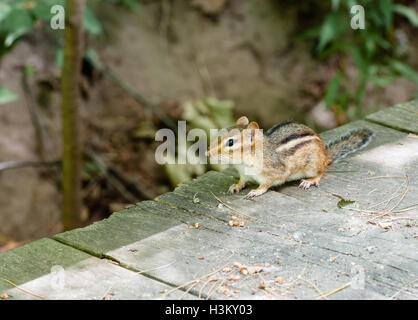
(21, 17)
(6, 95)
(209, 113)
(206, 114)
(375, 50)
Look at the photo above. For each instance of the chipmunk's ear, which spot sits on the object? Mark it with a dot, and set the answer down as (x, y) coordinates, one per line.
(252, 129)
(242, 122)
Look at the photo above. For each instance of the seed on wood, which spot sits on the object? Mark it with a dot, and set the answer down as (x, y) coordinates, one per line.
(243, 270)
(280, 280)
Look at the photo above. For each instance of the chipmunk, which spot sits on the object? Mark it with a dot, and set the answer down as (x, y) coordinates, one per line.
(286, 152)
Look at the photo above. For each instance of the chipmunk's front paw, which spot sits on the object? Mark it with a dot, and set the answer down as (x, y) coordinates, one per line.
(235, 188)
(306, 184)
(255, 193)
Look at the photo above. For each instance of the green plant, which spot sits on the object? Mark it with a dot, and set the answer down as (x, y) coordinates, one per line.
(6, 95)
(373, 50)
(21, 17)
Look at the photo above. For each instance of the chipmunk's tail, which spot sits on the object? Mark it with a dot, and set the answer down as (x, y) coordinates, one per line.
(351, 142)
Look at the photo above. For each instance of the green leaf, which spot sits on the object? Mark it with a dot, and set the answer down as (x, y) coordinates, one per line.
(382, 81)
(335, 4)
(382, 42)
(132, 5)
(90, 22)
(332, 88)
(310, 33)
(29, 69)
(404, 70)
(42, 9)
(92, 56)
(359, 60)
(328, 32)
(4, 10)
(6, 95)
(17, 23)
(408, 13)
(381, 75)
(344, 203)
(385, 7)
(376, 18)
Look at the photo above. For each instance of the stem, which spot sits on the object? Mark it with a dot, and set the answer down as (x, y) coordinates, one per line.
(71, 159)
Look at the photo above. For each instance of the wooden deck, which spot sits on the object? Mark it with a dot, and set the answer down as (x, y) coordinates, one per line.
(294, 244)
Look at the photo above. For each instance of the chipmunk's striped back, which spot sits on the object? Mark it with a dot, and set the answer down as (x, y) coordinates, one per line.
(290, 136)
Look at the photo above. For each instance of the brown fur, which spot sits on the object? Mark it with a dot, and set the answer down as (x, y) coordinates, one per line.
(290, 151)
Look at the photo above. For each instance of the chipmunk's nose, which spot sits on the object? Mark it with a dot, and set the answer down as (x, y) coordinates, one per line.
(207, 153)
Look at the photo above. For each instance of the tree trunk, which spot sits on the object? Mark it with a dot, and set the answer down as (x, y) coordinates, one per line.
(71, 158)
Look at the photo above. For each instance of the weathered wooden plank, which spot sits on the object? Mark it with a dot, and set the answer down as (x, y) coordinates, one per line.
(403, 116)
(124, 227)
(308, 223)
(33, 260)
(173, 255)
(48, 269)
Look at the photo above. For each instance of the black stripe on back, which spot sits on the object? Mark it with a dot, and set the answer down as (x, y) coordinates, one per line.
(277, 126)
(293, 150)
(295, 136)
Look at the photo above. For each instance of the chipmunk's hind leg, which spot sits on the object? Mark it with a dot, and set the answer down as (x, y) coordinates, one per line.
(306, 184)
(315, 172)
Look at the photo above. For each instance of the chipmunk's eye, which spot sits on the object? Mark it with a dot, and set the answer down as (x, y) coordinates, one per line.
(230, 142)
